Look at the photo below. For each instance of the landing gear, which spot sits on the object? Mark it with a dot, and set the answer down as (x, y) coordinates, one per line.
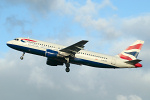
(67, 67)
(22, 56)
(67, 64)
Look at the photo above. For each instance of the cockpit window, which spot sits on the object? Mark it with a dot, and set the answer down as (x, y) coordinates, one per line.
(16, 39)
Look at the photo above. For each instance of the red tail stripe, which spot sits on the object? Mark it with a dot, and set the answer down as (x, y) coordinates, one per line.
(137, 46)
(124, 57)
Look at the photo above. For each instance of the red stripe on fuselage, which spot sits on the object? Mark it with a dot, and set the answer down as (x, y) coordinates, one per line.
(29, 40)
(137, 46)
(124, 57)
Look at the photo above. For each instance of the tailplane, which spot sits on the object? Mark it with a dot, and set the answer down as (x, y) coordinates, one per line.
(132, 51)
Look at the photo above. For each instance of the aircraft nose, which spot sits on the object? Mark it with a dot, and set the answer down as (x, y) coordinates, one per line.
(138, 65)
(8, 43)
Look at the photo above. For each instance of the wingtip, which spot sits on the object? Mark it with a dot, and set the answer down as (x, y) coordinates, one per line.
(85, 40)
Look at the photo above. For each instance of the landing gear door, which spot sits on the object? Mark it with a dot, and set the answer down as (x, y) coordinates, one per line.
(113, 61)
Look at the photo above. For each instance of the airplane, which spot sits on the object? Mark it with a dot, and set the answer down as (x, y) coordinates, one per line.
(75, 54)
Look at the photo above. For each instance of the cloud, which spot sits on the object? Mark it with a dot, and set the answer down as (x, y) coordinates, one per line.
(131, 97)
(104, 27)
(87, 15)
(134, 97)
(12, 23)
(32, 74)
(38, 78)
(64, 6)
(44, 6)
(20, 79)
(121, 97)
(107, 3)
(137, 26)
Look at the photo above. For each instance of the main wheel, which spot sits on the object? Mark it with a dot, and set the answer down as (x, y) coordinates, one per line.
(21, 57)
(67, 69)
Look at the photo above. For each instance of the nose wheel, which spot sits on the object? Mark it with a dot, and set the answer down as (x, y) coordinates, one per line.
(22, 56)
(67, 67)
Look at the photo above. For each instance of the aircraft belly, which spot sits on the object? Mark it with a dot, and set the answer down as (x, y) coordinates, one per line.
(28, 49)
(91, 63)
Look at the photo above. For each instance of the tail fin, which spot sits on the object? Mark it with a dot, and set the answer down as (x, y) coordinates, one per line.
(132, 51)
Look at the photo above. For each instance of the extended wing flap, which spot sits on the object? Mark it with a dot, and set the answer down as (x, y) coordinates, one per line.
(133, 61)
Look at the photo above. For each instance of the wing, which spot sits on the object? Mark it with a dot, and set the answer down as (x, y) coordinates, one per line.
(73, 49)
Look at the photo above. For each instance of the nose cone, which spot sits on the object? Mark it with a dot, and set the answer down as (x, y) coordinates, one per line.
(138, 65)
(9, 43)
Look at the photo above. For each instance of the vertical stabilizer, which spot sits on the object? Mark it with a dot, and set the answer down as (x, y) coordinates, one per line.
(132, 51)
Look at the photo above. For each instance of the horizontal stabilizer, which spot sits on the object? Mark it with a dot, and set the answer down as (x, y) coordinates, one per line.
(133, 61)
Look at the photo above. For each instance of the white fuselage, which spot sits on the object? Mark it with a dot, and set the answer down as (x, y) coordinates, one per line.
(83, 57)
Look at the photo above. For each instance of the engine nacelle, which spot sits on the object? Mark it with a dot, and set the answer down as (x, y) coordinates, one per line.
(52, 62)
